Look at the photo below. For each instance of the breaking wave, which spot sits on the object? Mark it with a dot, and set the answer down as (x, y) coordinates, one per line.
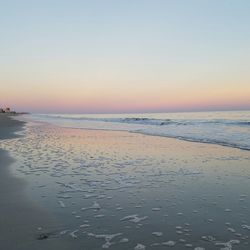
(222, 129)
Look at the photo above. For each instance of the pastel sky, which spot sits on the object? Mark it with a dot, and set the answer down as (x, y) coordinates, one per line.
(109, 56)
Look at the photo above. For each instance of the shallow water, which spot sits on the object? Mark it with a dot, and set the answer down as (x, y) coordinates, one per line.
(121, 190)
(228, 128)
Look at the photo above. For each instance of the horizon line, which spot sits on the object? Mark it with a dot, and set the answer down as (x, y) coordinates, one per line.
(147, 112)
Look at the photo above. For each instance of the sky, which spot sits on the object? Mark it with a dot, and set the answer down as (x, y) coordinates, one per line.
(111, 56)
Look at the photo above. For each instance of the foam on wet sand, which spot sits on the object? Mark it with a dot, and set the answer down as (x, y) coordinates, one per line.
(129, 191)
(23, 223)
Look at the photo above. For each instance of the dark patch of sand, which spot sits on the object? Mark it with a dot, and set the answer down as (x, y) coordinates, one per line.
(20, 218)
(9, 126)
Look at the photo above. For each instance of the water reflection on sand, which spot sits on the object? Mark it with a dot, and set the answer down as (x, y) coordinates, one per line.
(122, 190)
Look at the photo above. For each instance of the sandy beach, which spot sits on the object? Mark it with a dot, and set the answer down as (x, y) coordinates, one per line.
(20, 217)
(93, 189)
(125, 125)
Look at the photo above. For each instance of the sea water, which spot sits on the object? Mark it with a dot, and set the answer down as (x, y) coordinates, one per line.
(120, 190)
(224, 128)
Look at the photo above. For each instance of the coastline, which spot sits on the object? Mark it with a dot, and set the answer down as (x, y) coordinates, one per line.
(97, 184)
(20, 218)
(225, 129)
(9, 126)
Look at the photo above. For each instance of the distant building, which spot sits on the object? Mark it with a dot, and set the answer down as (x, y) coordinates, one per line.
(7, 110)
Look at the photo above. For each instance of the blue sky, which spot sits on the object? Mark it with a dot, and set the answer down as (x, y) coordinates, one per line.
(126, 50)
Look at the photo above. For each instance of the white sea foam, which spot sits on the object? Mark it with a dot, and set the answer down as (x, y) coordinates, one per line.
(62, 204)
(156, 209)
(246, 227)
(107, 237)
(139, 247)
(169, 243)
(158, 234)
(225, 128)
(134, 218)
(228, 245)
(95, 206)
(125, 187)
(73, 234)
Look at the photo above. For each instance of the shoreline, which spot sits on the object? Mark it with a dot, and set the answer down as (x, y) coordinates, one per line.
(67, 170)
(9, 126)
(19, 216)
(179, 138)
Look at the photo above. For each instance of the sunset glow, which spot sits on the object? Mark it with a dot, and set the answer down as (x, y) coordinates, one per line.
(108, 56)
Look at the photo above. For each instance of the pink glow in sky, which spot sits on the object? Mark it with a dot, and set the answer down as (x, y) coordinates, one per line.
(99, 56)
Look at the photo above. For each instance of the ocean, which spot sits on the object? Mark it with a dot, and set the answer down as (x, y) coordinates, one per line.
(111, 189)
(228, 128)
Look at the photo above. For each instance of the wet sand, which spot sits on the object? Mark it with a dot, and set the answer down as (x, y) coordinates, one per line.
(92, 189)
(8, 126)
(119, 190)
(20, 217)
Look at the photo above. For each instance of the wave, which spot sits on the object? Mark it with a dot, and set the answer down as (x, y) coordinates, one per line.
(153, 121)
(200, 140)
(227, 132)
